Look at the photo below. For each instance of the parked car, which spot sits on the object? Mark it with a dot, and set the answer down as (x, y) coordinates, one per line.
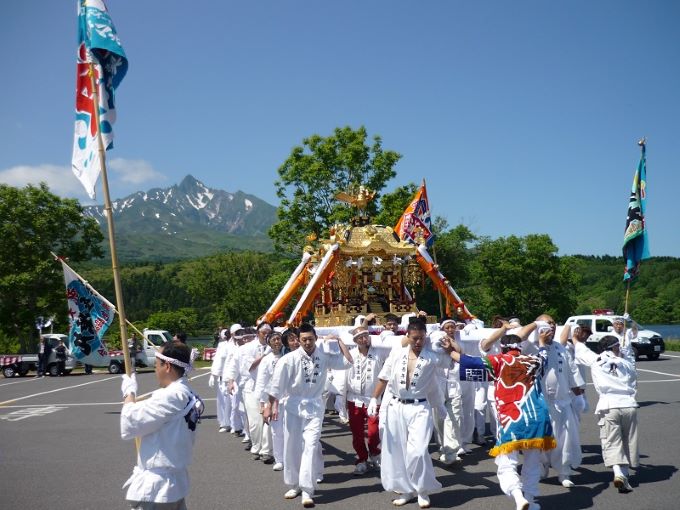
(22, 364)
(146, 355)
(647, 343)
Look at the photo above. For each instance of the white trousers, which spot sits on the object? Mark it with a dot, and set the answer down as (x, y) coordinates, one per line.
(237, 415)
(223, 404)
(467, 421)
(405, 463)
(451, 437)
(301, 450)
(485, 403)
(277, 431)
(565, 427)
(261, 443)
(531, 473)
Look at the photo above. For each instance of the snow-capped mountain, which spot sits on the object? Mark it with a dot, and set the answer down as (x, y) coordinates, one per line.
(188, 205)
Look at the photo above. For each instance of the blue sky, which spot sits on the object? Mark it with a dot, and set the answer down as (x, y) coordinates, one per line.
(522, 116)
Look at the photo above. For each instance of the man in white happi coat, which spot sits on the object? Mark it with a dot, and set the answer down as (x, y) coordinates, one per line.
(165, 423)
(469, 389)
(615, 379)
(406, 465)
(625, 336)
(301, 376)
(577, 332)
(274, 429)
(561, 380)
(360, 381)
(217, 369)
(236, 376)
(447, 417)
(250, 356)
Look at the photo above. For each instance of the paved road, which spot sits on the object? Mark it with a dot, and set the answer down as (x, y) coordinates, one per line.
(60, 446)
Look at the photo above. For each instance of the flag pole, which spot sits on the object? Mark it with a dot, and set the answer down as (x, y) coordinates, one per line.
(109, 221)
(94, 291)
(439, 294)
(434, 255)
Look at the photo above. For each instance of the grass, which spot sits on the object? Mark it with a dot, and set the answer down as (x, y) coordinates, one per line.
(672, 344)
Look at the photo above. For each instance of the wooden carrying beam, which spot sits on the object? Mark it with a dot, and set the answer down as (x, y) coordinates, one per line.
(288, 291)
(325, 267)
(453, 302)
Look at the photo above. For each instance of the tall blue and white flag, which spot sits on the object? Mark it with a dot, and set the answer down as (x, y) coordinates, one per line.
(635, 243)
(99, 45)
(89, 318)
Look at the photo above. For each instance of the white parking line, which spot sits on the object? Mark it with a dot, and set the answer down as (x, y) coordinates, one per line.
(658, 381)
(3, 404)
(22, 380)
(670, 355)
(54, 391)
(79, 404)
(22, 414)
(655, 372)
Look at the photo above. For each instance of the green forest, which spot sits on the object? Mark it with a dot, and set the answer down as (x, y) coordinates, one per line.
(198, 295)
(508, 276)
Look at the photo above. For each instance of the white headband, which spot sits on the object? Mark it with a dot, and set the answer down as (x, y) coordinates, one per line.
(446, 322)
(512, 346)
(359, 333)
(173, 361)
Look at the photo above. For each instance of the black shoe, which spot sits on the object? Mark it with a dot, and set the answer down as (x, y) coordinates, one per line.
(256, 456)
(267, 459)
(247, 446)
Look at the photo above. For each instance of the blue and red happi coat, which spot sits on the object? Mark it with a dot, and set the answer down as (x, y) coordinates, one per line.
(522, 412)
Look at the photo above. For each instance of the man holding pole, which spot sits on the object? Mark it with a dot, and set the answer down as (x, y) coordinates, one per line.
(166, 424)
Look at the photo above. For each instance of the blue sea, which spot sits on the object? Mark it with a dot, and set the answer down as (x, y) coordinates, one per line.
(667, 331)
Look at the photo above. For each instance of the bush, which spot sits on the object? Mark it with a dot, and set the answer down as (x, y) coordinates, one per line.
(9, 345)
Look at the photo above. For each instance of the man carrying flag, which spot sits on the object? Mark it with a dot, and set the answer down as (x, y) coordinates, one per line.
(416, 219)
(635, 245)
(101, 63)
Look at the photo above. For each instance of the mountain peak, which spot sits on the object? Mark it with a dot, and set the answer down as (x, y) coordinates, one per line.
(187, 206)
(190, 184)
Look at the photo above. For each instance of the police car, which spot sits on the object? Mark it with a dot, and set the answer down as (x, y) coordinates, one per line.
(644, 341)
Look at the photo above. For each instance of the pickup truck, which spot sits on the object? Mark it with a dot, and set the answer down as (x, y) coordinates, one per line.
(146, 356)
(647, 343)
(22, 364)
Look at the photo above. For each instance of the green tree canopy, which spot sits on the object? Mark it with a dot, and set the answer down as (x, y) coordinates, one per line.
(392, 204)
(522, 277)
(315, 172)
(34, 222)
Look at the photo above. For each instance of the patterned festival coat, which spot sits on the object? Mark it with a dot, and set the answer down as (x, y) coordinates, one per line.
(522, 412)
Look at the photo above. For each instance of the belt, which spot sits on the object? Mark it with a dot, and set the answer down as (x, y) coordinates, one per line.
(410, 400)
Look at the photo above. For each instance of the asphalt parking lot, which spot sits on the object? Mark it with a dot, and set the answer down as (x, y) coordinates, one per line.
(60, 446)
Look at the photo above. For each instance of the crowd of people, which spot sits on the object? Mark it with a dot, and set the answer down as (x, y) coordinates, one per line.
(400, 385)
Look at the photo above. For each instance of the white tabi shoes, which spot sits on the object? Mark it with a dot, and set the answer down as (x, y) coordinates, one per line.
(566, 482)
(307, 500)
(621, 483)
(292, 493)
(403, 499)
(423, 501)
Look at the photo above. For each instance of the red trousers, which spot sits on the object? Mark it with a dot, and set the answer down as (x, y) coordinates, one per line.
(358, 420)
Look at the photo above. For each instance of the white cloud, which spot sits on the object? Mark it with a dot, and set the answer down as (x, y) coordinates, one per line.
(133, 171)
(129, 174)
(60, 179)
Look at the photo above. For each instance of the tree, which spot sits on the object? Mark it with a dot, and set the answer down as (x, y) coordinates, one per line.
(184, 319)
(312, 175)
(523, 277)
(34, 222)
(392, 205)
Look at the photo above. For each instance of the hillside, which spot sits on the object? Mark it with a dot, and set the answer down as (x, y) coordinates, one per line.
(186, 220)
